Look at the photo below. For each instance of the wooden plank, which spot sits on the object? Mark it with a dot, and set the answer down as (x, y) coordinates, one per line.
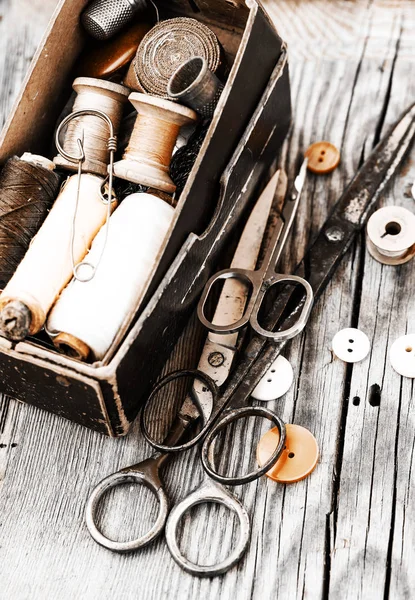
(345, 532)
(377, 444)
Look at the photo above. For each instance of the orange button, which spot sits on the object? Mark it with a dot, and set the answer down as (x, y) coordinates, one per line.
(323, 158)
(298, 459)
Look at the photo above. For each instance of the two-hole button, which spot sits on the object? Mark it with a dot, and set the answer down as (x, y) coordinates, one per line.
(323, 158)
(351, 345)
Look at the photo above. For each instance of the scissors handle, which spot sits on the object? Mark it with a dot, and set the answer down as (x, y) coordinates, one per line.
(301, 321)
(169, 446)
(253, 280)
(208, 447)
(144, 473)
(208, 492)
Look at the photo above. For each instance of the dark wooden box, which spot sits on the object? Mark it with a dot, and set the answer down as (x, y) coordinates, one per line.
(247, 133)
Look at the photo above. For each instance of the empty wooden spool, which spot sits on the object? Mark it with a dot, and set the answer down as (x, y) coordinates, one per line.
(147, 157)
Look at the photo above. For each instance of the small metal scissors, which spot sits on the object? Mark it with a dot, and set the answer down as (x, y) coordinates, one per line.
(262, 280)
(214, 367)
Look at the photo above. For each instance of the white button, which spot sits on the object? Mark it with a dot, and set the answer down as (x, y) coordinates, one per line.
(351, 345)
(276, 381)
(402, 355)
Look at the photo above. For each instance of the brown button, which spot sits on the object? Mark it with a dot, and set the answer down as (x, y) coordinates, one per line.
(323, 158)
(298, 458)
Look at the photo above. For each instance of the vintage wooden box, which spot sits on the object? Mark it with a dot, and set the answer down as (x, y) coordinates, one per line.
(245, 136)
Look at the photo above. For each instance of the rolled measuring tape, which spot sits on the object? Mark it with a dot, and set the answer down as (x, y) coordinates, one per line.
(391, 235)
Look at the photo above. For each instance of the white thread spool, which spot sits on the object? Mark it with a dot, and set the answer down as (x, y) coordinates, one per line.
(391, 235)
(147, 157)
(47, 265)
(93, 94)
(87, 316)
(38, 160)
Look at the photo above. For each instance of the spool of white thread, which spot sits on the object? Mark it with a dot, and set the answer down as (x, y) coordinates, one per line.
(47, 265)
(88, 315)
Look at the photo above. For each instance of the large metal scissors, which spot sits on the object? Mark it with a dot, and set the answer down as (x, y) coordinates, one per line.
(214, 367)
(221, 410)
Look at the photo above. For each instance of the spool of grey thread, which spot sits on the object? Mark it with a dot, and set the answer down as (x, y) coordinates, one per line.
(194, 85)
(104, 18)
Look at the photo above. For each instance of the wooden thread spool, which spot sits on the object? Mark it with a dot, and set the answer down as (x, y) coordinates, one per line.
(80, 323)
(391, 235)
(47, 265)
(93, 94)
(147, 157)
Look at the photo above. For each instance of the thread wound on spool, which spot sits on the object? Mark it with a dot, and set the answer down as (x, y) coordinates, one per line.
(103, 96)
(185, 157)
(27, 193)
(391, 235)
(137, 230)
(47, 265)
(147, 157)
(168, 45)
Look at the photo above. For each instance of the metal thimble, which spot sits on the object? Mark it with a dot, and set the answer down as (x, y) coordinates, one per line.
(194, 85)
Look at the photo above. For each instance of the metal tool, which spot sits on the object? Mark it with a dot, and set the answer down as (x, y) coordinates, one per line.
(215, 365)
(194, 85)
(104, 18)
(263, 279)
(232, 303)
(106, 198)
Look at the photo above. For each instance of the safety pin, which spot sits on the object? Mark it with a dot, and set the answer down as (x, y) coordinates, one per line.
(112, 148)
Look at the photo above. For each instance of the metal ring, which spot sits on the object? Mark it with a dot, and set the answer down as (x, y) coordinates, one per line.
(113, 481)
(208, 492)
(196, 374)
(74, 115)
(84, 264)
(207, 453)
(302, 319)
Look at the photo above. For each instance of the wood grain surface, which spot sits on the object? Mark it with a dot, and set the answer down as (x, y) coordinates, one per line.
(348, 530)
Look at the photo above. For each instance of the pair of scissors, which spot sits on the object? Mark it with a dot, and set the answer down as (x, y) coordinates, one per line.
(260, 281)
(214, 367)
(235, 309)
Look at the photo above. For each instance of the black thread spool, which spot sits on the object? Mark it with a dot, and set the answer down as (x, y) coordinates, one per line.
(28, 188)
(185, 157)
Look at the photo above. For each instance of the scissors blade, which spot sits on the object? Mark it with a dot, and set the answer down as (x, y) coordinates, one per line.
(219, 350)
(234, 295)
(283, 228)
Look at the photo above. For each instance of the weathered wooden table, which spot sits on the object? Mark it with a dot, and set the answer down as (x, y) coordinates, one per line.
(348, 530)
